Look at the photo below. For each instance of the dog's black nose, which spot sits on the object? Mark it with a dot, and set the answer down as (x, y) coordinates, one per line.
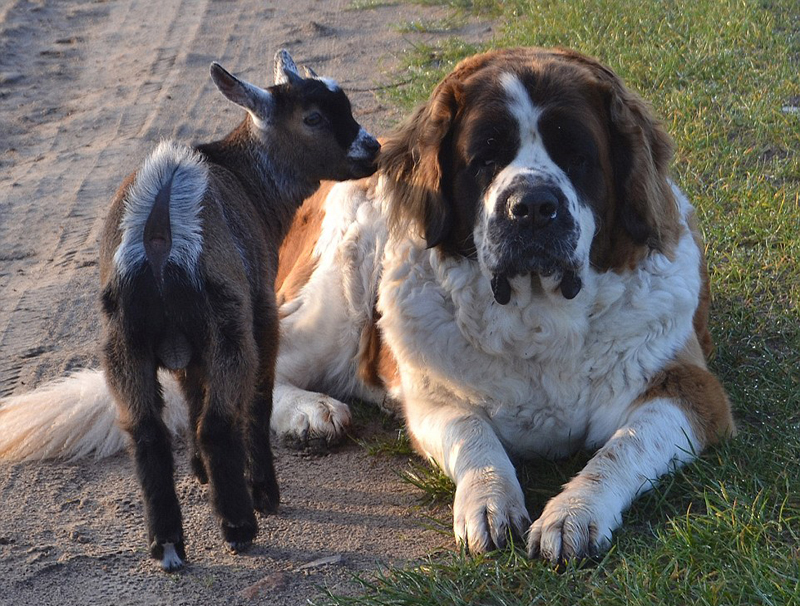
(537, 207)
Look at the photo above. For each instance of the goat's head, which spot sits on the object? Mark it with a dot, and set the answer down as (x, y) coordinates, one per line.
(308, 120)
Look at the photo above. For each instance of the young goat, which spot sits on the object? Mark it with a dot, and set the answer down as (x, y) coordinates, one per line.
(188, 262)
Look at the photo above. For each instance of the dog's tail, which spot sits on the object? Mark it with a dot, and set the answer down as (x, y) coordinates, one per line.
(73, 417)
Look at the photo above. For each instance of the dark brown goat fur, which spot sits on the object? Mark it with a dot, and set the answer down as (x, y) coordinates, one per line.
(188, 262)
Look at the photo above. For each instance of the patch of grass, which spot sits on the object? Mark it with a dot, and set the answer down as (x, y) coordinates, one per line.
(399, 445)
(436, 487)
(726, 529)
(431, 26)
(479, 7)
(426, 66)
(362, 5)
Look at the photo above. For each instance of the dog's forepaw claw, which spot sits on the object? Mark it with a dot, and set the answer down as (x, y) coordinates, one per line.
(487, 511)
(571, 527)
(316, 422)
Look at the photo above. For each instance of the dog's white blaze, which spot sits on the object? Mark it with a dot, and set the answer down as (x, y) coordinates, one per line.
(533, 160)
(189, 185)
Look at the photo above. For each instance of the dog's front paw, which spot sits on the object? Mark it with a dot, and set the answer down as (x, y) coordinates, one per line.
(487, 508)
(573, 525)
(311, 419)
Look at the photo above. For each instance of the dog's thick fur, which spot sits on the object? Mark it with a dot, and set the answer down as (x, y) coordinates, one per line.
(521, 277)
(539, 287)
(187, 266)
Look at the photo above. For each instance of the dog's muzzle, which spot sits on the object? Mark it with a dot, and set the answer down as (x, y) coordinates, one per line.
(532, 231)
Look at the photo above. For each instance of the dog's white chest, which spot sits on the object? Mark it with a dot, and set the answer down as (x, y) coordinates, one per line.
(551, 375)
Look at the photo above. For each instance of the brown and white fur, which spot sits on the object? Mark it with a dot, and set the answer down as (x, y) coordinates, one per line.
(187, 267)
(538, 286)
(521, 276)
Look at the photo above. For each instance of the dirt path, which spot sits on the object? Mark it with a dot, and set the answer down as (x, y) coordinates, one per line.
(86, 88)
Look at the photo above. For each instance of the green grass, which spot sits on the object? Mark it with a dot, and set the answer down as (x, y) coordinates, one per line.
(726, 529)
(431, 26)
(361, 5)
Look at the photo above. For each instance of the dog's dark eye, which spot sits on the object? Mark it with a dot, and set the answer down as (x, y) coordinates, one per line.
(484, 160)
(576, 164)
(313, 119)
(577, 161)
(484, 167)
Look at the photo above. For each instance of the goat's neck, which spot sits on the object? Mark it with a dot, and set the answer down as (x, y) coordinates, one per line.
(275, 186)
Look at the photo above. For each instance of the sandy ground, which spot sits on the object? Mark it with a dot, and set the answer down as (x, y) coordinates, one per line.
(86, 88)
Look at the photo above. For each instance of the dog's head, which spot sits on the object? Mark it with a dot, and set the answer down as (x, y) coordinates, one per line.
(536, 162)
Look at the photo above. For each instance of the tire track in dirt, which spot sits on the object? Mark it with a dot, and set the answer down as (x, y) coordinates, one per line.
(74, 190)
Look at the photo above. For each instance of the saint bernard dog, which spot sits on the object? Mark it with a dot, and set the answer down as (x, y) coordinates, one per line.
(520, 277)
(524, 280)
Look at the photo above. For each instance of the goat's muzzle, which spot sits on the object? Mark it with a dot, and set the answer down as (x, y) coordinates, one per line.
(363, 155)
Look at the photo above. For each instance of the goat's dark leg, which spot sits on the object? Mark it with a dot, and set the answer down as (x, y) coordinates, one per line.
(263, 481)
(231, 364)
(191, 381)
(132, 377)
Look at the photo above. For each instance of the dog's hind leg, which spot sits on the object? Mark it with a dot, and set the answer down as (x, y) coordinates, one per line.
(133, 379)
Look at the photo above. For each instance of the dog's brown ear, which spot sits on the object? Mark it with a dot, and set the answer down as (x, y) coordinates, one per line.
(641, 151)
(411, 162)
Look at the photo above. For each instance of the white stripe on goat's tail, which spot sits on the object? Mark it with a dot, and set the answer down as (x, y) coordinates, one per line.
(189, 180)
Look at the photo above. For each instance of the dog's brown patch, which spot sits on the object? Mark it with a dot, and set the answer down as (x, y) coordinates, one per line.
(296, 260)
(688, 382)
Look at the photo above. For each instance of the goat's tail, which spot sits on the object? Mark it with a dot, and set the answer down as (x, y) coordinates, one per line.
(161, 222)
(73, 417)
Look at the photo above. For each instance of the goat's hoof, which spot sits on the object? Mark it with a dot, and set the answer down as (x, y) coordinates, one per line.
(266, 497)
(238, 538)
(238, 547)
(170, 555)
(199, 469)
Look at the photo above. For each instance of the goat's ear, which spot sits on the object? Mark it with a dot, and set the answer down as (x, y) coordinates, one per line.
(257, 101)
(310, 73)
(285, 70)
(411, 160)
